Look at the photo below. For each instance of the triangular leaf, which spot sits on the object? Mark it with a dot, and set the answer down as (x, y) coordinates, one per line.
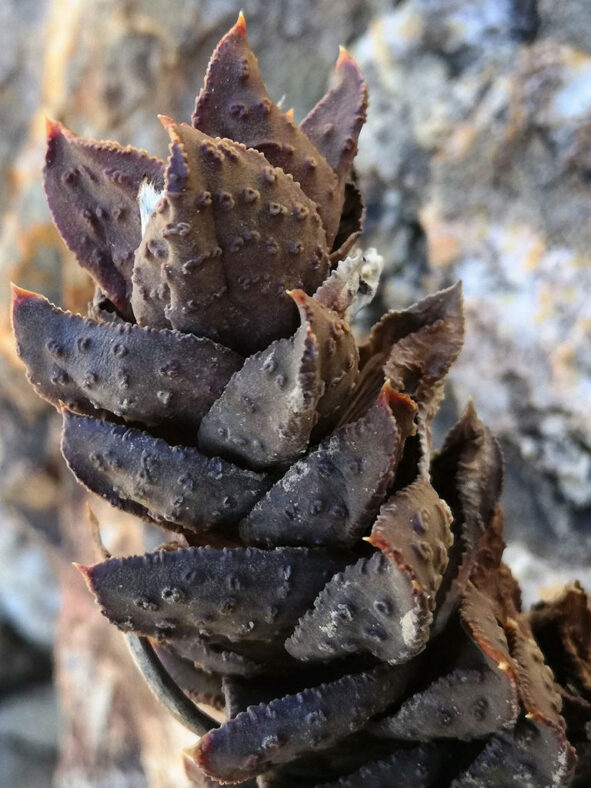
(92, 192)
(234, 103)
(228, 238)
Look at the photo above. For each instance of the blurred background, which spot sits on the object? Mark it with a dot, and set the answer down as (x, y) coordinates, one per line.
(475, 163)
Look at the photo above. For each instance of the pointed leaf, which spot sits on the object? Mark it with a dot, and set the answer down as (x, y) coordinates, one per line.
(468, 474)
(239, 593)
(171, 484)
(532, 756)
(338, 357)
(273, 733)
(268, 409)
(234, 103)
(414, 350)
(92, 192)
(477, 698)
(415, 768)
(383, 604)
(562, 628)
(335, 122)
(332, 495)
(230, 235)
(154, 377)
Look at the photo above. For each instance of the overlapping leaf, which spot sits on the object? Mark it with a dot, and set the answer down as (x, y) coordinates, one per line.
(228, 238)
(238, 593)
(413, 768)
(234, 103)
(332, 495)
(477, 698)
(144, 375)
(268, 410)
(92, 191)
(334, 123)
(561, 626)
(273, 733)
(384, 604)
(414, 350)
(468, 474)
(147, 476)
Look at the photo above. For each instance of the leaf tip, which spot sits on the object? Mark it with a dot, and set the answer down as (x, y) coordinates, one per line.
(53, 128)
(240, 26)
(20, 295)
(344, 58)
(86, 572)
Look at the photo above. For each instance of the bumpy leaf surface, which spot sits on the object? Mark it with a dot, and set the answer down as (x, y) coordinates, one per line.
(92, 192)
(332, 495)
(229, 237)
(269, 408)
(530, 757)
(338, 357)
(334, 123)
(169, 484)
(562, 628)
(234, 103)
(315, 718)
(239, 593)
(414, 768)
(144, 375)
(477, 698)
(383, 604)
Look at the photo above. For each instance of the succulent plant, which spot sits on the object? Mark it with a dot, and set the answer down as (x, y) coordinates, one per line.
(336, 588)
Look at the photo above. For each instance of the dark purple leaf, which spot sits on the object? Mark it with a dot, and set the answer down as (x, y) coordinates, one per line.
(313, 719)
(269, 408)
(171, 484)
(234, 103)
(214, 658)
(562, 628)
(383, 604)
(338, 358)
(335, 122)
(532, 756)
(477, 698)
(238, 593)
(414, 768)
(332, 495)
(92, 192)
(140, 374)
(228, 238)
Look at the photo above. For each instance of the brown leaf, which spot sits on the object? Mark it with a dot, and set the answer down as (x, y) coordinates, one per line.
(92, 190)
(229, 237)
(234, 103)
(334, 123)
